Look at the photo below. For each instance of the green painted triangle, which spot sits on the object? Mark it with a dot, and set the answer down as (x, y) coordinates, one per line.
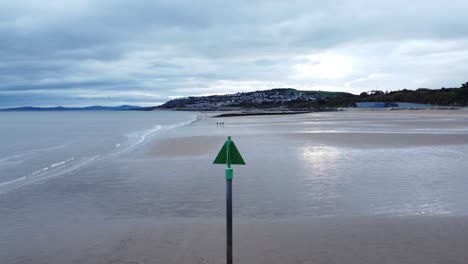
(234, 156)
(222, 155)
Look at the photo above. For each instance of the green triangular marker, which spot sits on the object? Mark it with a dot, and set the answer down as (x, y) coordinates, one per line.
(229, 154)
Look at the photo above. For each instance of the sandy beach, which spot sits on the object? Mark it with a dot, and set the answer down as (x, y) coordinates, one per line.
(294, 240)
(343, 187)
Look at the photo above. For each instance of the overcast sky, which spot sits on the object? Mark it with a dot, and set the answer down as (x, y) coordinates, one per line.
(113, 52)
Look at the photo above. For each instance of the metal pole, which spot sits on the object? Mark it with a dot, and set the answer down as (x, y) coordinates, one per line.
(229, 174)
(229, 221)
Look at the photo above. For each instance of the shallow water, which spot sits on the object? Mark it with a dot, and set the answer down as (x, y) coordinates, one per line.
(40, 145)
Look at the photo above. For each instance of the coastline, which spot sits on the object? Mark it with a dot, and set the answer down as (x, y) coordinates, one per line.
(236, 112)
(301, 198)
(261, 113)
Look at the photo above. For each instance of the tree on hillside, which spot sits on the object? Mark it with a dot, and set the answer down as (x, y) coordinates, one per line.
(364, 95)
(463, 94)
(376, 92)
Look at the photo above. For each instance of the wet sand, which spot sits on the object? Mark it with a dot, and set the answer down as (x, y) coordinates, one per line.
(357, 129)
(302, 198)
(380, 140)
(406, 239)
(355, 240)
(294, 240)
(184, 146)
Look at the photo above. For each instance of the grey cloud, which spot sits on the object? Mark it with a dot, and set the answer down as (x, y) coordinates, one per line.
(177, 48)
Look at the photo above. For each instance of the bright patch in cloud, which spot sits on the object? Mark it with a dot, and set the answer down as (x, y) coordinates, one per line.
(323, 66)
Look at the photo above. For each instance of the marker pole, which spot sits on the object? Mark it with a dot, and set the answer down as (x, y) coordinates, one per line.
(229, 174)
(229, 221)
(229, 155)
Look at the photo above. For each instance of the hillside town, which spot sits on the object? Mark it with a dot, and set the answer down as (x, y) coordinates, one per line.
(276, 96)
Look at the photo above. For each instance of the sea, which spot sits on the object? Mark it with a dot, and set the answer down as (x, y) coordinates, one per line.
(36, 146)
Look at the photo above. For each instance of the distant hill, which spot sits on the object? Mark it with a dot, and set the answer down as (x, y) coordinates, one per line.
(443, 96)
(60, 108)
(278, 97)
(289, 98)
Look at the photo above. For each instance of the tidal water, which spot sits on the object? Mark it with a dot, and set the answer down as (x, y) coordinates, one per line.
(35, 146)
